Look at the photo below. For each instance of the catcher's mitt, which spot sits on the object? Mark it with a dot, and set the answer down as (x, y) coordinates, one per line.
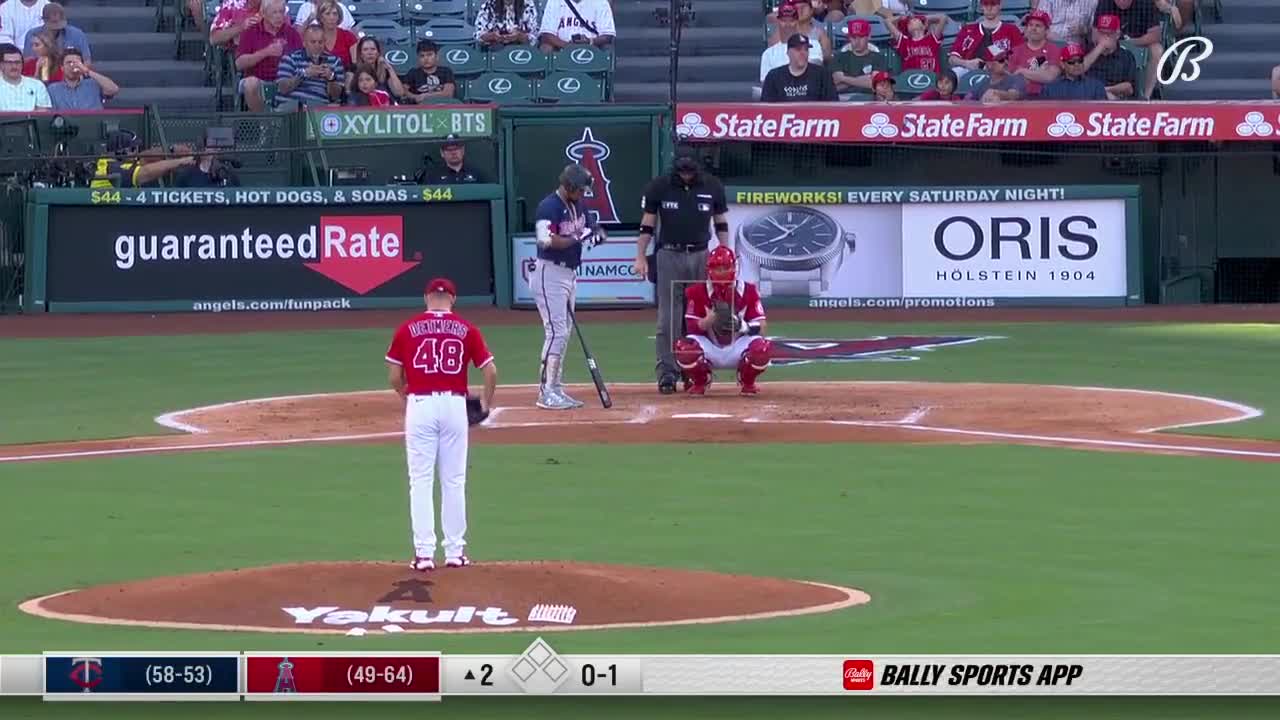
(725, 320)
(476, 414)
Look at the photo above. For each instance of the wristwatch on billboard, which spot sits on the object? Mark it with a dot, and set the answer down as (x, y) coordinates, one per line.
(795, 250)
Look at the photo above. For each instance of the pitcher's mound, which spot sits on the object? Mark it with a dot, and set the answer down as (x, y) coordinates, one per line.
(485, 597)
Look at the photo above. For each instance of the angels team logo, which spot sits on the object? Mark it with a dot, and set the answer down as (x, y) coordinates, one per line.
(591, 153)
(789, 351)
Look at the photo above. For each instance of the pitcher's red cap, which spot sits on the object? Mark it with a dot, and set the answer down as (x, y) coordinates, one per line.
(442, 285)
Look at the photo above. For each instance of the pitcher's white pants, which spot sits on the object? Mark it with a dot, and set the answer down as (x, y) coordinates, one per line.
(435, 435)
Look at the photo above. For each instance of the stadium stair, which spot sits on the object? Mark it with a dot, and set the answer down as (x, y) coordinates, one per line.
(1246, 47)
(128, 49)
(719, 52)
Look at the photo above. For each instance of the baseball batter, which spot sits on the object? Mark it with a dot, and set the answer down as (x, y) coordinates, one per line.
(725, 322)
(561, 229)
(427, 366)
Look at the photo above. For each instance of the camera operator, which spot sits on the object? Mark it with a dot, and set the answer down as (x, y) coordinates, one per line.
(123, 168)
(456, 171)
(209, 170)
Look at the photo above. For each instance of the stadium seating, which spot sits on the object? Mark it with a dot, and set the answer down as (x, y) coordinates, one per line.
(421, 10)
(569, 88)
(500, 87)
(388, 32)
(446, 31)
(960, 10)
(911, 83)
(521, 60)
(465, 60)
(584, 59)
(364, 9)
(402, 57)
(969, 81)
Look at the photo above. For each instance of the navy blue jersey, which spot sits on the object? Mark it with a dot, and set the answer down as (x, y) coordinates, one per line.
(557, 216)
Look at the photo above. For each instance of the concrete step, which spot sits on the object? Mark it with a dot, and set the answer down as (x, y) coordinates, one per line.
(133, 46)
(151, 73)
(1247, 89)
(99, 19)
(1243, 37)
(1249, 11)
(695, 41)
(689, 92)
(1228, 65)
(167, 98)
(707, 14)
(722, 68)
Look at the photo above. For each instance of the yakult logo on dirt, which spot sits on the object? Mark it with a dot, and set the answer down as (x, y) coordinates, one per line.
(387, 615)
(359, 252)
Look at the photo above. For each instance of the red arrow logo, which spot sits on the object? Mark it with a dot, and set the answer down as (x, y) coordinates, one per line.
(361, 252)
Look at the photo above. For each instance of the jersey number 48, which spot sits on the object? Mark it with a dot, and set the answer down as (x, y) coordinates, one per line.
(435, 355)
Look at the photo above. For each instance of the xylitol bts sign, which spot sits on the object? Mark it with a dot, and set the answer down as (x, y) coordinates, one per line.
(400, 123)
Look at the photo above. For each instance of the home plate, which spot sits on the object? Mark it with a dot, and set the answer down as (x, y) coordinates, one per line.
(700, 416)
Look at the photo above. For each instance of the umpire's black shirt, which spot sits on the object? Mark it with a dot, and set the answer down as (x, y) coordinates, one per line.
(445, 175)
(684, 211)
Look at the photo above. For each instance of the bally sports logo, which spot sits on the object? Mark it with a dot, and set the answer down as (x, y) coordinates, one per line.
(859, 674)
(359, 252)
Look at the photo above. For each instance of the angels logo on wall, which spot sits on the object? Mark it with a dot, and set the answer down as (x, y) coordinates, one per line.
(591, 153)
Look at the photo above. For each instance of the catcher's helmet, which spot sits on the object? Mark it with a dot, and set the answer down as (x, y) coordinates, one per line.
(722, 266)
(574, 177)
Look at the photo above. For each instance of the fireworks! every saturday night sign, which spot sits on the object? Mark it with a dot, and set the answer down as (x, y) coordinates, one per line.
(471, 121)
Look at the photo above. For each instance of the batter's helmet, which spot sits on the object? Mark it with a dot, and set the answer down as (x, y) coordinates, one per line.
(574, 177)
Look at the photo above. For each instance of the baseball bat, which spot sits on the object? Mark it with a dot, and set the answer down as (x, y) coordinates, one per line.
(605, 399)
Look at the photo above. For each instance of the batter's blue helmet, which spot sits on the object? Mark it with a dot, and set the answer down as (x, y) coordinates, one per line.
(574, 177)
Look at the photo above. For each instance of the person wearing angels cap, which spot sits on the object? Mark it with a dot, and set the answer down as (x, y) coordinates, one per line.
(1111, 64)
(1074, 84)
(853, 66)
(1000, 85)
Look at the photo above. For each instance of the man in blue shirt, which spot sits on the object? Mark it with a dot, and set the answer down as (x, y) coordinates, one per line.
(65, 36)
(1074, 84)
(81, 88)
(311, 76)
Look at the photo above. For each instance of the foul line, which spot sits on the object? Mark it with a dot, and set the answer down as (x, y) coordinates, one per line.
(200, 446)
(1091, 441)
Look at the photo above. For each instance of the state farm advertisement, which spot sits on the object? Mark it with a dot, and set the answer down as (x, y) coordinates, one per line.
(916, 122)
(243, 254)
(937, 247)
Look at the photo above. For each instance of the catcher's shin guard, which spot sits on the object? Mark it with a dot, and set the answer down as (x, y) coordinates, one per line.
(755, 359)
(693, 365)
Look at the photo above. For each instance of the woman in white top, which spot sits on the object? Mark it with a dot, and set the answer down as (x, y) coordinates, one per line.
(308, 10)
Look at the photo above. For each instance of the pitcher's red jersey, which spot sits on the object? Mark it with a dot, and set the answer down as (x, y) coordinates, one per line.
(746, 306)
(434, 349)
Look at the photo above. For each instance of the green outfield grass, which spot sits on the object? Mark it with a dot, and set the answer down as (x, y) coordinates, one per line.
(964, 549)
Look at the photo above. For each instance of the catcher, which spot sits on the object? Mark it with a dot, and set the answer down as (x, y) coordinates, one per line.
(725, 322)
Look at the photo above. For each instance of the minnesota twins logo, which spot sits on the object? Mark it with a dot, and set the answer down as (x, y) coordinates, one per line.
(591, 154)
(86, 673)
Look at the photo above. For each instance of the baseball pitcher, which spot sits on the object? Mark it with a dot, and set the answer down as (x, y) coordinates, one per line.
(561, 229)
(725, 322)
(427, 366)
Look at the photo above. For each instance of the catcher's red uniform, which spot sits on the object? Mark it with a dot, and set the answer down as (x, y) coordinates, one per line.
(700, 351)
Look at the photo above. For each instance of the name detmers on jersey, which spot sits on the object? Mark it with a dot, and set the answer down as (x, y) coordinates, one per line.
(434, 351)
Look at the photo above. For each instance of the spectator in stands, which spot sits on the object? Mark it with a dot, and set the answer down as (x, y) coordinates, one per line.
(1074, 84)
(364, 91)
(1000, 85)
(945, 90)
(64, 35)
(312, 76)
(775, 56)
(506, 22)
(369, 55)
(81, 87)
(18, 93)
(1111, 64)
(1275, 83)
(195, 8)
(1140, 22)
(430, 80)
(799, 80)
(45, 62)
(882, 84)
(876, 7)
(18, 17)
(337, 40)
(1037, 59)
(455, 171)
(974, 37)
(853, 66)
(1071, 18)
(580, 22)
(806, 23)
(920, 45)
(261, 45)
(828, 11)
(234, 17)
(310, 10)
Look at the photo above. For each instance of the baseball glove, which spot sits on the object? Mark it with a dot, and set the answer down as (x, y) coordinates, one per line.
(725, 320)
(476, 413)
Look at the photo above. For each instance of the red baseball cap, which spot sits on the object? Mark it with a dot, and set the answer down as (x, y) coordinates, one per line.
(1073, 51)
(1039, 15)
(994, 53)
(990, 2)
(788, 10)
(880, 76)
(1107, 23)
(442, 285)
(859, 28)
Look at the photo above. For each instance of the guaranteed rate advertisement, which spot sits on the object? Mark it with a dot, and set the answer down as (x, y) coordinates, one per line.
(939, 247)
(302, 256)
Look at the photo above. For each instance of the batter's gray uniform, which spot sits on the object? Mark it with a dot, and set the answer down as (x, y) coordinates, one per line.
(554, 283)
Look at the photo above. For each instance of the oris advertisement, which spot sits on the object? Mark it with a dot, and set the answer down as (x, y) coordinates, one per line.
(938, 247)
(228, 256)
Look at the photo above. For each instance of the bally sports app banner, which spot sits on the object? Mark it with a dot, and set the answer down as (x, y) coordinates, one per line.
(938, 247)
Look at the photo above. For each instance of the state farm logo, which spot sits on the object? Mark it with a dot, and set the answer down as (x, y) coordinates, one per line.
(859, 675)
(691, 125)
(1065, 125)
(359, 252)
(1255, 125)
(879, 125)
